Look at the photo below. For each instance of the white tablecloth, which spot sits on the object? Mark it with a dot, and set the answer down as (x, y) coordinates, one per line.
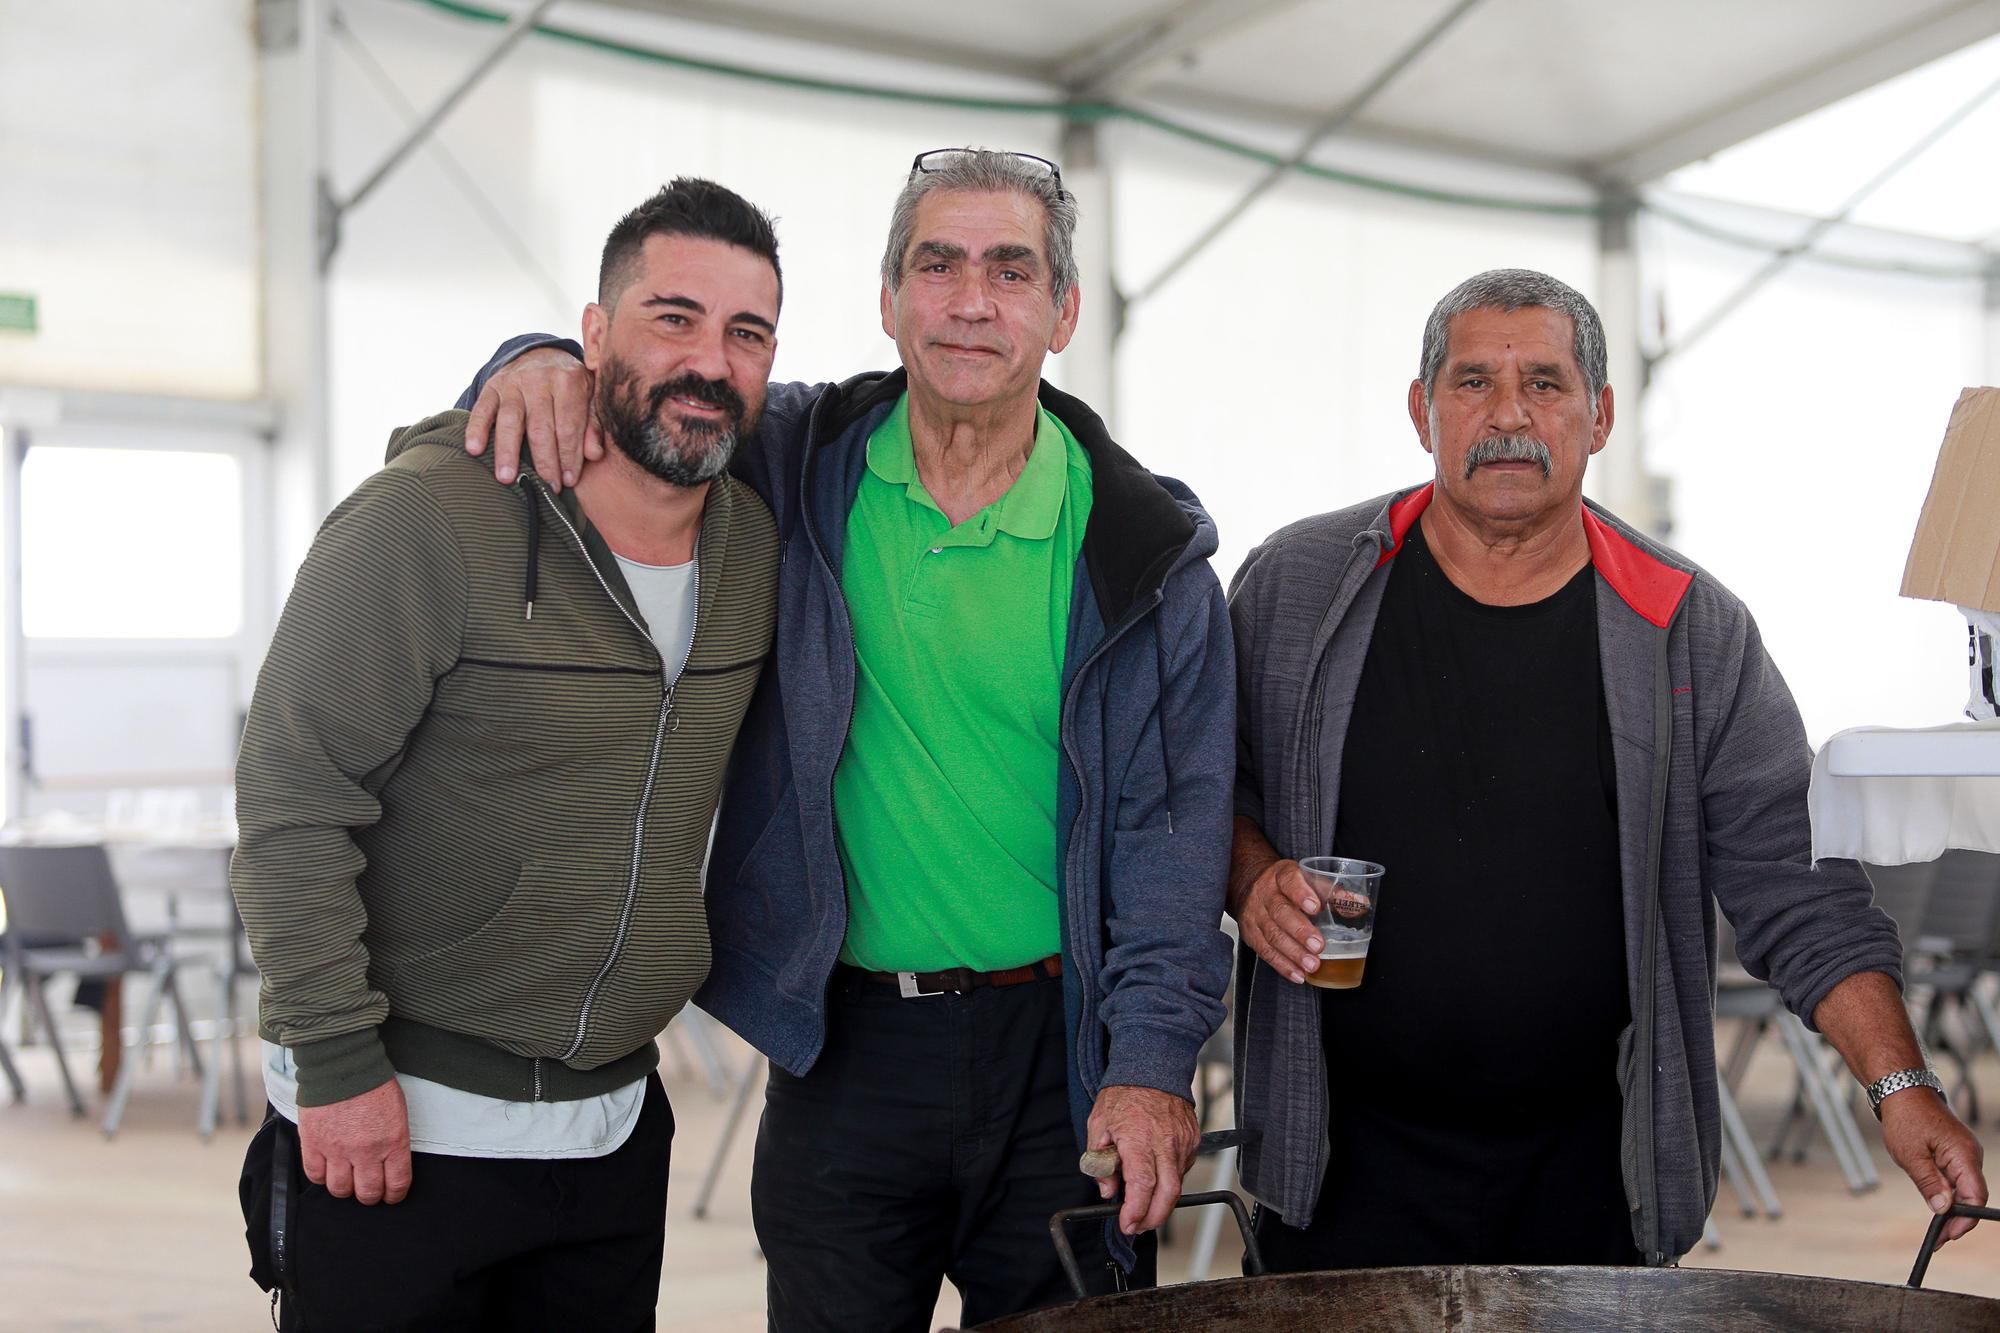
(1908, 795)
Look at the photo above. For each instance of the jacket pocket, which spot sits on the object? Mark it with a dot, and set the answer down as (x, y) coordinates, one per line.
(519, 979)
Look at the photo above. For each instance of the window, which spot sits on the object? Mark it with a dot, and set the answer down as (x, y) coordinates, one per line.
(131, 544)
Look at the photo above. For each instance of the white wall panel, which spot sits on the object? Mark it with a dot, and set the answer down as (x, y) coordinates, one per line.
(1800, 437)
(1270, 374)
(128, 194)
(562, 141)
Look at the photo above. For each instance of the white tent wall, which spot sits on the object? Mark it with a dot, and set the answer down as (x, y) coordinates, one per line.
(1270, 375)
(128, 204)
(1800, 437)
(1284, 349)
(563, 141)
(129, 213)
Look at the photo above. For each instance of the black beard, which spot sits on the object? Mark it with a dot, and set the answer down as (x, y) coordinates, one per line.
(682, 451)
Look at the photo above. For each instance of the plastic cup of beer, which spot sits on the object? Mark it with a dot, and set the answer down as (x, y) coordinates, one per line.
(1348, 892)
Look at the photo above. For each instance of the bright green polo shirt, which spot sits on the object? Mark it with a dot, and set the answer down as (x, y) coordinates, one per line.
(945, 797)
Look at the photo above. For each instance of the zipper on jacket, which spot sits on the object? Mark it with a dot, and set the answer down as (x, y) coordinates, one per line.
(1649, 951)
(665, 722)
(1111, 636)
(536, 1095)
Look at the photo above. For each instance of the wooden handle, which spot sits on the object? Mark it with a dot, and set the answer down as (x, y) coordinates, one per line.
(1099, 1163)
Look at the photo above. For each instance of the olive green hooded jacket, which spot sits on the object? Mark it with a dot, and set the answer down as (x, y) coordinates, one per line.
(473, 809)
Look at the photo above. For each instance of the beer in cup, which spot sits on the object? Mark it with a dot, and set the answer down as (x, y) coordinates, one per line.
(1348, 892)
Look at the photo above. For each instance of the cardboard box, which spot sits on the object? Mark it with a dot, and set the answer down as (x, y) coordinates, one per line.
(1955, 556)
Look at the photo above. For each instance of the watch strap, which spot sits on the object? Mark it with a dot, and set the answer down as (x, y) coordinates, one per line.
(1897, 1082)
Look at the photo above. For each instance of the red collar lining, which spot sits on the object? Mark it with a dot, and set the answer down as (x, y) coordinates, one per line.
(1403, 516)
(1645, 584)
(1649, 587)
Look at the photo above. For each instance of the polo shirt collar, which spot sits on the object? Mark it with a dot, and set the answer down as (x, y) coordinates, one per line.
(1029, 509)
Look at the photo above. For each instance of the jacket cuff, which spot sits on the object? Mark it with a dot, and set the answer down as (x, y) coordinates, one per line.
(1151, 1057)
(561, 344)
(333, 1069)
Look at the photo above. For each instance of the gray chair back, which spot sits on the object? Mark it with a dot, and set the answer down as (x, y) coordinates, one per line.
(60, 895)
(1904, 892)
(1964, 901)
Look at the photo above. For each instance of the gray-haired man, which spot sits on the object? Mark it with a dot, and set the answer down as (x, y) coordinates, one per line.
(1567, 745)
(966, 886)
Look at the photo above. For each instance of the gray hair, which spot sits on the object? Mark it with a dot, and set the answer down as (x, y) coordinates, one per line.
(1511, 289)
(979, 170)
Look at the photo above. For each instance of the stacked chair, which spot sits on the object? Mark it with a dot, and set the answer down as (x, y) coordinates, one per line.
(1949, 913)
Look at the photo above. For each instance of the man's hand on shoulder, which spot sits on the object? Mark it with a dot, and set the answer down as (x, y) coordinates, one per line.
(544, 395)
(1935, 1149)
(359, 1147)
(1155, 1134)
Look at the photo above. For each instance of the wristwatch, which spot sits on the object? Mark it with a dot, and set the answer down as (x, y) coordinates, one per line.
(1896, 1082)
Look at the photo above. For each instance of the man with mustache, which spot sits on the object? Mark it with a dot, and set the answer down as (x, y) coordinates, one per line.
(474, 794)
(1566, 745)
(967, 882)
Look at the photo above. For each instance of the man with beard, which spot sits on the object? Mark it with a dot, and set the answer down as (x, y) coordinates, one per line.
(1567, 745)
(967, 883)
(474, 795)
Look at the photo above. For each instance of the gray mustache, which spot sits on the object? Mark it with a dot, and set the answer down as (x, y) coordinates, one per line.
(1509, 449)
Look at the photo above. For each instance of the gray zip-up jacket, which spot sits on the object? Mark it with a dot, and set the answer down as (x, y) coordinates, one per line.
(1712, 766)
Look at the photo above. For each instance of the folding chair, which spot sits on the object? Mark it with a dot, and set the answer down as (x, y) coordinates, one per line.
(1960, 922)
(13, 1075)
(1741, 996)
(231, 971)
(65, 900)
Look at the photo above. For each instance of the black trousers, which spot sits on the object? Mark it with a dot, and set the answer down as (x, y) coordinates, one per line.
(479, 1243)
(931, 1140)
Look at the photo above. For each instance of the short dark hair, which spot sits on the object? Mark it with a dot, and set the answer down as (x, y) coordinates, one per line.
(690, 206)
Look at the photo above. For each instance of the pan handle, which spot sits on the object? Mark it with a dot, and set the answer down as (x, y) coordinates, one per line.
(1253, 1258)
(1937, 1225)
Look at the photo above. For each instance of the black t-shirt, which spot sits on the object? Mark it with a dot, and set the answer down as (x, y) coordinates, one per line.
(1477, 769)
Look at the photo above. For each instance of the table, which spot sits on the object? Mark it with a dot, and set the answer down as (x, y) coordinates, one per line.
(1893, 795)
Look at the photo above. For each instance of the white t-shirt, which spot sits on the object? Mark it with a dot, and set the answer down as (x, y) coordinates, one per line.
(665, 594)
(453, 1123)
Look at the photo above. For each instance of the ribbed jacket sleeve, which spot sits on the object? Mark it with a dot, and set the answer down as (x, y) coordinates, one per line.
(375, 617)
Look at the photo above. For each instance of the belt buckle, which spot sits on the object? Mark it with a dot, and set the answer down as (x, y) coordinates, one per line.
(906, 986)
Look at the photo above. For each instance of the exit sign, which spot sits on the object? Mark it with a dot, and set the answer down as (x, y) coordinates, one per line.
(17, 313)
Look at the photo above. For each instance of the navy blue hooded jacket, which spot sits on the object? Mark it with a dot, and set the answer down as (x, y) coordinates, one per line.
(1146, 804)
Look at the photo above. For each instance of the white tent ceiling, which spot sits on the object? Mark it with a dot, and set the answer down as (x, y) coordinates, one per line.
(1621, 91)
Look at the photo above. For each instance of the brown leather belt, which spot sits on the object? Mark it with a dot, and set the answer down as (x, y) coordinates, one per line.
(960, 980)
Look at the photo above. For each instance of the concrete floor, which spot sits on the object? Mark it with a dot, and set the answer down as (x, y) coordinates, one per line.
(142, 1233)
